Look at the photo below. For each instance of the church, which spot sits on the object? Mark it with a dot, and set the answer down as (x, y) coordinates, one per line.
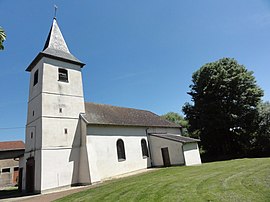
(71, 142)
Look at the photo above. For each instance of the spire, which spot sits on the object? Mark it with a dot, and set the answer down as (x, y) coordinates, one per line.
(55, 39)
(55, 47)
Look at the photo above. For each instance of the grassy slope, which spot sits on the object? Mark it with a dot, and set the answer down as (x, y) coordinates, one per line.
(235, 180)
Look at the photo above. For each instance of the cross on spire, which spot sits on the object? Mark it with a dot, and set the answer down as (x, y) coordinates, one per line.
(55, 11)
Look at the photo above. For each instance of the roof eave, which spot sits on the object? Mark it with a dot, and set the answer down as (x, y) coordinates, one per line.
(131, 125)
(167, 138)
(42, 54)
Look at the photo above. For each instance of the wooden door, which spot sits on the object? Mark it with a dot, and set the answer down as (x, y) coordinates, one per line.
(30, 175)
(166, 156)
(15, 175)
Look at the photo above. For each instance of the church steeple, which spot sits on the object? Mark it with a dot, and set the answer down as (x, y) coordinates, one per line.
(55, 47)
(53, 127)
(55, 39)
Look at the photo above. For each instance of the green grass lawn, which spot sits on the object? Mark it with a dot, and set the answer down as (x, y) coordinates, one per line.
(236, 180)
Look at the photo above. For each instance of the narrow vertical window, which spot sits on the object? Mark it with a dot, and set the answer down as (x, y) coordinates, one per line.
(144, 148)
(66, 131)
(120, 150)
(35, 78)
(62, 75)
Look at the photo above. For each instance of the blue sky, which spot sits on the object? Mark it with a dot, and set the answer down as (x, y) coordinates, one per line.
(138, 54)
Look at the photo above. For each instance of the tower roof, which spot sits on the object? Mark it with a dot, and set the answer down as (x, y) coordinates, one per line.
(56, 48)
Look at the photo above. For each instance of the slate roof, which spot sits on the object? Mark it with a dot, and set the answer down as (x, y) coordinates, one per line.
(102, 114)
(11, 145)
(174, 137)
(56, 48)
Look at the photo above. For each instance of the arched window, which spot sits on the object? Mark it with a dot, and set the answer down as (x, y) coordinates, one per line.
(120, 150)
(144, 148)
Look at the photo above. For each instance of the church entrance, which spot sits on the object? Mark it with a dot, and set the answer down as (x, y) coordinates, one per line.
(30, 174)
(166, 157)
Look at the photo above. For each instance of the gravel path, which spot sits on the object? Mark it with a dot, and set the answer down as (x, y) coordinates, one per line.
(47, 197)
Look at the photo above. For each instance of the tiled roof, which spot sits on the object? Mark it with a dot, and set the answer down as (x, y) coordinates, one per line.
(11, 145)
(102, 114)
(55, 47)
(174, 137)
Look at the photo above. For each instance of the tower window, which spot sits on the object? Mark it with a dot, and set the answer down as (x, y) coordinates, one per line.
(144, 148)
(60, 110)
(66, 131)
(32, 135)
(120, 150)
(35, 78)
(62, 75)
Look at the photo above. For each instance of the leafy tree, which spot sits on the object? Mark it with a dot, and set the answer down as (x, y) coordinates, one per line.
(261, 141)
(2, 38)
(177, 118)
(225, 96)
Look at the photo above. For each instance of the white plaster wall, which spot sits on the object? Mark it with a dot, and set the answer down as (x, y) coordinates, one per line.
(175, 151)
(71, 106)
(38, 159)
(53, 133)
(33, 143)
(192, 154)
(59, 167)
(48, 124)
(50, 78)
(36, 90)
(34, 105)
(60, 151)
(102, 152)
(84, 171)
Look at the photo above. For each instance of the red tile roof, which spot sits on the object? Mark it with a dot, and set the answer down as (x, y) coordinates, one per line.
(11, 145)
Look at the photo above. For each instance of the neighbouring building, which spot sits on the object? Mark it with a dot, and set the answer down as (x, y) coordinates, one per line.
(72, 142)
(9, 162)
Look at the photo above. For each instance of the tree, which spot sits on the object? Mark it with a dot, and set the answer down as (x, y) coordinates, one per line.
(178, 119)
(225, 96)
(261, 141)
(2, 38)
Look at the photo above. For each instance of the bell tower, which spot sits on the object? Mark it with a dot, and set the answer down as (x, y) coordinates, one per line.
(52, 131)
